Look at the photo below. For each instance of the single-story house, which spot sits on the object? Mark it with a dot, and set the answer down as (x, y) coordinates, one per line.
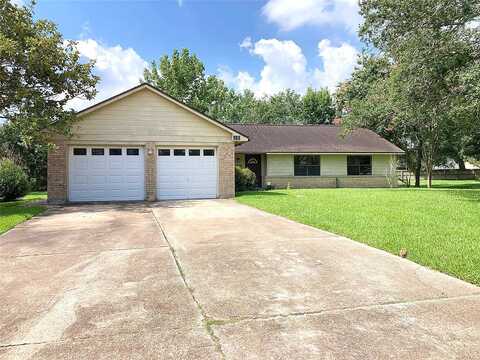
(145, 145)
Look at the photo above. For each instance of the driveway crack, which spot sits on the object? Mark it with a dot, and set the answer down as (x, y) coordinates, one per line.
(207, 322)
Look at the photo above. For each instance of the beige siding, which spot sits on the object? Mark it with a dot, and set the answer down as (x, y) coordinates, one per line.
(381, 165)
(145, 116)
(333, 165)
(279, 165)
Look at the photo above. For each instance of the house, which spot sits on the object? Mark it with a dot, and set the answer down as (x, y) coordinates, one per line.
(144, 145)
(315, 156)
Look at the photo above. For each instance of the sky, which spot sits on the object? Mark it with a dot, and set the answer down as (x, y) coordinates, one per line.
(266, 46)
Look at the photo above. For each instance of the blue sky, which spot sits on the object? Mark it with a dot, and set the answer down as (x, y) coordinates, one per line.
(266, 46)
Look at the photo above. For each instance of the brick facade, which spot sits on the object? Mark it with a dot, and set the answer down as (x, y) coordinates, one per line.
(57, 177)
(226, 170)
(150, 172)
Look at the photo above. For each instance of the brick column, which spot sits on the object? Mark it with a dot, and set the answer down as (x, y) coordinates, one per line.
(226, 173)
(150, 172)
(57, 172)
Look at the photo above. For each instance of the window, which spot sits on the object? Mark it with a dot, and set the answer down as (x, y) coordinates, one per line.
(163, 152)
(208, 152)
(359, 165)
(98, 151)
(79, 151)
(133, 152)
(194, 152)
(115, 152)
(307, 165)
(178, 152)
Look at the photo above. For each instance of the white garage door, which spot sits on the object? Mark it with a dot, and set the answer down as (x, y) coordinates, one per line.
(106, 173)
(186, 173)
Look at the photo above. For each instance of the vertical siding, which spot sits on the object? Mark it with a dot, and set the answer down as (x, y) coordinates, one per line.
(333, 165)
(279, 165)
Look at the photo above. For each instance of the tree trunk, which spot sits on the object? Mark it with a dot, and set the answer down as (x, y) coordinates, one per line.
(418, 166)
(461, 164)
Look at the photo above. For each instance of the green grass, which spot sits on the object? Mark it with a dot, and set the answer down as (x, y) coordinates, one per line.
(13, 213)
(439, 227)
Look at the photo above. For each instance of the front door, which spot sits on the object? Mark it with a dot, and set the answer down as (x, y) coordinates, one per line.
(254, 163)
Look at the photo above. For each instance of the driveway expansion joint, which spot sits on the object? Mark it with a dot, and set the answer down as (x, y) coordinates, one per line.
(207, 322)
(240, 319)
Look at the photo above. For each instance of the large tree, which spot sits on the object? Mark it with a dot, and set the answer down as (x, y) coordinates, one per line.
(432, 47)
(317, 106)
(40, 72)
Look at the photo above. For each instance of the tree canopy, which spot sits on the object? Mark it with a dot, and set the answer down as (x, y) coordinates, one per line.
(419, 86)
(182, 75)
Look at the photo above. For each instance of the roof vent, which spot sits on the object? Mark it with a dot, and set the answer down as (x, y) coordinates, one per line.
(236, 137)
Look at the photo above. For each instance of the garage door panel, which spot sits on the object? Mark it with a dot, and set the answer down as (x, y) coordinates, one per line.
(106, 177)
(186, 177)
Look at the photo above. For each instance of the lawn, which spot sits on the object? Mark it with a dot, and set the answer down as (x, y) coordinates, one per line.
(439, 227)
(15, 212)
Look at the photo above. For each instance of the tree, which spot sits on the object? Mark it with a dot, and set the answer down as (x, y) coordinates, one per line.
(431, 46)
(182, 76)
(317, 106)
(40, 73)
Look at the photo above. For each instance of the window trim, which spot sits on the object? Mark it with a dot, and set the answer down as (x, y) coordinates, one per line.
(160, 149)
(359, 166)
(184, 152)
(110, 151)
(79, 148)
(308, 166)
(137, 154)
(92, 149)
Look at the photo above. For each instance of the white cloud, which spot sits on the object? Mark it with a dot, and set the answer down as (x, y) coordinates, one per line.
(119, 69)
(246, 43)
(338, 63)
(291, 14)
(285, 67)
(18, 2)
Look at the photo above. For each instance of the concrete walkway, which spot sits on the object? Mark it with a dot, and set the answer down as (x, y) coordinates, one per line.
(216, 279)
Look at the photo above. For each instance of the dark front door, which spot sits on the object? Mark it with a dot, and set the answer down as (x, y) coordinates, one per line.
(254, 163)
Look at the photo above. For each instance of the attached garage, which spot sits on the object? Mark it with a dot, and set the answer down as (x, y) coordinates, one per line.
(143, 145)
(106, 173)
(186, 173)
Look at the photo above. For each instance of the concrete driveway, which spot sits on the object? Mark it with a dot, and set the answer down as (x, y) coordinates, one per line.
(216, 279)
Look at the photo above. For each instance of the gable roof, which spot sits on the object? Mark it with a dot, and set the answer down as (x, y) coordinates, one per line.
(161, 93)
(311, 139)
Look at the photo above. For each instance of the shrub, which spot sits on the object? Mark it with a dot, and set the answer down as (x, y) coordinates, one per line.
(245, 179)
(13, 181)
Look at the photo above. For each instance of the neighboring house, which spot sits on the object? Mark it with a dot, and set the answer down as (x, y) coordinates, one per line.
(313, 156)
(144, 145)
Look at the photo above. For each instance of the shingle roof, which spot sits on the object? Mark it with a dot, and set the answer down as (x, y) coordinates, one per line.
(310, 139)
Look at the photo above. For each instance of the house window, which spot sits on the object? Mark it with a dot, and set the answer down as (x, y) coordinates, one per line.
(194, 152)
(208, 152)
(179, 152)
(307, 165)
(133, 152)
(98, 151)
(79, 151)
(115, 152)
(359, 165)
(163, 152)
